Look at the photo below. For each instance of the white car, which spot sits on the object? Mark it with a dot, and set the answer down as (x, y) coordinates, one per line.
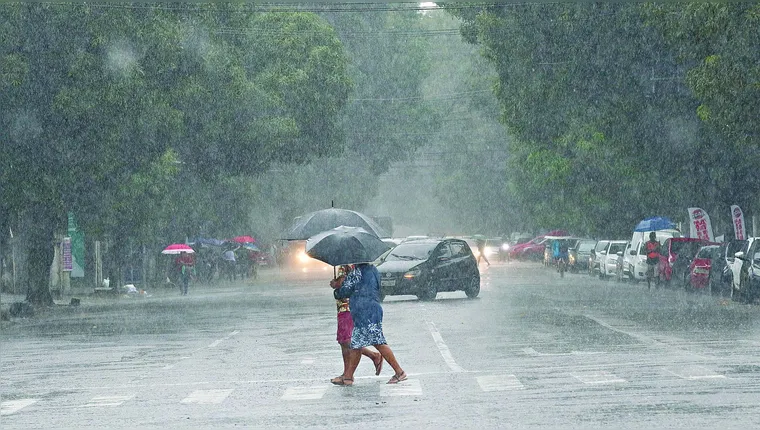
(745, 261)
(626, 265)
(609, 257)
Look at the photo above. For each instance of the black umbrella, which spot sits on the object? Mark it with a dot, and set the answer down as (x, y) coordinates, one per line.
(316, 222)
(345, 245)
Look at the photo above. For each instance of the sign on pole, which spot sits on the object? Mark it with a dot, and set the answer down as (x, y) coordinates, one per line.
(68, 264)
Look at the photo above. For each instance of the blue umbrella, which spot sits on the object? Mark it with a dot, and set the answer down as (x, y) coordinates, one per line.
(654, 223)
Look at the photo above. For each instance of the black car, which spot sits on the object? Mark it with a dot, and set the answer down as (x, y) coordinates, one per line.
(425, 267)
(580, 254)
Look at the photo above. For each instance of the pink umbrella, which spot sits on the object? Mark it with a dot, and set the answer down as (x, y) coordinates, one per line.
(177, 248)
(243, 239)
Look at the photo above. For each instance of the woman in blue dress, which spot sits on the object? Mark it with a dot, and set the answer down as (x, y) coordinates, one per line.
(362, 286)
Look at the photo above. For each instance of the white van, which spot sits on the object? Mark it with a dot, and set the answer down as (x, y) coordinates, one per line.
(638, 251)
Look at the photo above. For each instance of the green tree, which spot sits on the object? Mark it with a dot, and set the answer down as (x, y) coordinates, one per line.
(105, 104)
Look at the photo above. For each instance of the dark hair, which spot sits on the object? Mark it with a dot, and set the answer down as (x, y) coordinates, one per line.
(652, 235)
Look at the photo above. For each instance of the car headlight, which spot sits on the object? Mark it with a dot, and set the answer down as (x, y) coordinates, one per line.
(505, 247)
(303, 258)
(413, 273)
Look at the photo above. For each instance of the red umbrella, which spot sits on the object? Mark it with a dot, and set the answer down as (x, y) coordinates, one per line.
(177, 248)
(243, 239)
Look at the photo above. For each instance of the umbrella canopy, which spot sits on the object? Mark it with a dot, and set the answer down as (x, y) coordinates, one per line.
(177, 248)
(345, 245)
(654, 223)
(243, 239)
(326, 219)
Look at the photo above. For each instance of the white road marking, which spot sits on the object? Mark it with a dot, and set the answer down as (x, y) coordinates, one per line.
(445, 352)
(216, 343)
(499, 383)
(207, 397)
(12, 406)
(534, 353)
(307, 360)
(304, 393)
(600, 377)
(106, 401)
(694, 372)
(410, 387)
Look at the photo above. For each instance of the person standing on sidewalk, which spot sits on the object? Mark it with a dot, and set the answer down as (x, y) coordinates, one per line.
(228, 259)
(186, 265)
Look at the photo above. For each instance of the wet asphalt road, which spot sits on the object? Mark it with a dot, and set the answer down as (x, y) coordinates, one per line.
(533, 351)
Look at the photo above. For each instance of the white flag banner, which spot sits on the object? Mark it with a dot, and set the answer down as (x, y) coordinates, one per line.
(700, 224)
(737, 217)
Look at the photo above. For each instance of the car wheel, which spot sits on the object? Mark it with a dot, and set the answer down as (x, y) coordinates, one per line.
(428, 292)
(473, 287)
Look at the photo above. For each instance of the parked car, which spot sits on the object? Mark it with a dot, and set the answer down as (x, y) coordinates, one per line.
(609, 257)
(676, 255)
(624, 263)
(700, 268)
(428, 266)
(746, 271)
(720, 278)
(595, 257)
(579, 254)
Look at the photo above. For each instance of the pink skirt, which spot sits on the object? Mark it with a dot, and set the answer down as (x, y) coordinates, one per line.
(345, 327)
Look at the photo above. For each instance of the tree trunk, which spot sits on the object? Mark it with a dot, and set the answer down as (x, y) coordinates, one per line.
(41, 254)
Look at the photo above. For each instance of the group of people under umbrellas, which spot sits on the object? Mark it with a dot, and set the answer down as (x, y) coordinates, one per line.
(231, 259)
(350, 242)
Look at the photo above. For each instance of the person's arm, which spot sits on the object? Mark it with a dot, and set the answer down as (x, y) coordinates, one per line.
(348, 286)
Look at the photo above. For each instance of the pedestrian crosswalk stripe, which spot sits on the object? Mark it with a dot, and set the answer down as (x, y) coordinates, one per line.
(499, 383)
(304, 393)
(207, 397)
(410, 387)
(600, 377)
(106, 401)
(693, 372)
(12, 406)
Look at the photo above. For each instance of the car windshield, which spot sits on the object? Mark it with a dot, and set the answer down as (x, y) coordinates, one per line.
(684, 249)
(735, 246)
(601, 245)
(708, 252)
(411, 251)
(586, 246)
(616, 247)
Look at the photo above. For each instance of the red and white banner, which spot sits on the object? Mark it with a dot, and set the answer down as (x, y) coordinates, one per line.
(737, 218)
(700, 224)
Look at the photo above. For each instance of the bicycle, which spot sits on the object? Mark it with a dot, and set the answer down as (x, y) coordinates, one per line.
(562, 266)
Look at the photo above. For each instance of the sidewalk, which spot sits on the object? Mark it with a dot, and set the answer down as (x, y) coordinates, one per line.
(89, 300)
